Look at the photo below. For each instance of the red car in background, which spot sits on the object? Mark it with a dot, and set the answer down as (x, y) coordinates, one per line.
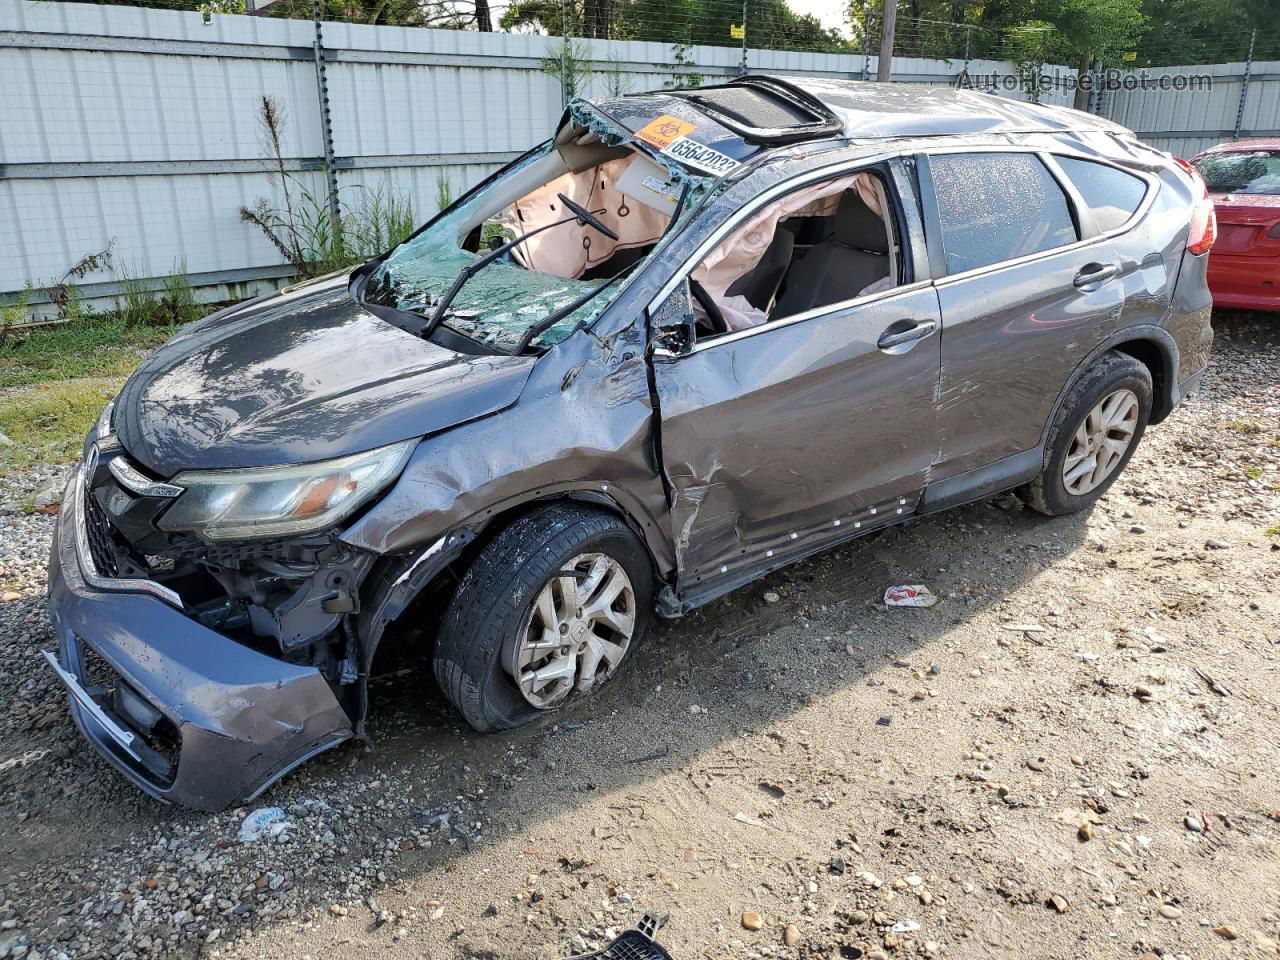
(1244, 182)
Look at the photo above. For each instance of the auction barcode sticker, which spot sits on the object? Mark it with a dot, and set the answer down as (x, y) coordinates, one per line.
(700, 156)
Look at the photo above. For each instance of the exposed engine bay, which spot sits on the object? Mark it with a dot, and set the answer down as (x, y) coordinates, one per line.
(287, 598)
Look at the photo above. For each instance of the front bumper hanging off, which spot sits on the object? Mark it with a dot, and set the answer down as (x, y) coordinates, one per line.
(184, 712)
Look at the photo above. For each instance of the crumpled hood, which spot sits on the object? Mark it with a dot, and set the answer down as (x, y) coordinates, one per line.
(302, 376)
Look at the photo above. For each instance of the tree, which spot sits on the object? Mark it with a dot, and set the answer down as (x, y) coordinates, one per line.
(1134, 33)
(1208, 31)
(440, 14)
(771, 24)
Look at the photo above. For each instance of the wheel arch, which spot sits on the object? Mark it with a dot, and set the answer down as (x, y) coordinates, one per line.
(395, 582)
(1153, 346)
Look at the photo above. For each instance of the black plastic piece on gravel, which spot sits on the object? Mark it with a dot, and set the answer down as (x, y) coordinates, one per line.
(636, 944)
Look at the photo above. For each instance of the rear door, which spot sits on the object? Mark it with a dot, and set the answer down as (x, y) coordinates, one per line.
(1027, 285)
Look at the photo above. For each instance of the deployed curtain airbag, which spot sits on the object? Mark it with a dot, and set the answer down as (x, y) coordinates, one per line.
(742, 250)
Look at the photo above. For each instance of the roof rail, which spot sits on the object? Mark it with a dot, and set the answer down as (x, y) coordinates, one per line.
(813, 118)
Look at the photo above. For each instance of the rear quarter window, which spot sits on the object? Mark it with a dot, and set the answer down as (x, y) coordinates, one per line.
(998, 206)
(1112, 195)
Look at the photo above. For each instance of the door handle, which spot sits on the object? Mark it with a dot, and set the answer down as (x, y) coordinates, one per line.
(897, 337)
(1092, 273)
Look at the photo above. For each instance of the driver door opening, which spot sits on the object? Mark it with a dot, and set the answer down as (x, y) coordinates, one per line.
(818, 246)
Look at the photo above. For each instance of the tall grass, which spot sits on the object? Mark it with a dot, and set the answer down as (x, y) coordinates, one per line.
(142, 305)
(444, 189)
(301, 225)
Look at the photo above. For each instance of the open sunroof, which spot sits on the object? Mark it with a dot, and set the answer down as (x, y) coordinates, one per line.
(765, 110)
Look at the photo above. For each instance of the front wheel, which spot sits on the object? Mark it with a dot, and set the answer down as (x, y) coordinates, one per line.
(546, 615)
(1097, 430)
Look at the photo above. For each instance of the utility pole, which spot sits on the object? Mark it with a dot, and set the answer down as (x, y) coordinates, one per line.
(889, 23)
(742, 67)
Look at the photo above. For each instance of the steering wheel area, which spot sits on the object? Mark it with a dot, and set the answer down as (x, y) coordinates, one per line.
(715, 323)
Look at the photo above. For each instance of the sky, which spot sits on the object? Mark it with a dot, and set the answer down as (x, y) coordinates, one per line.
(830, 12)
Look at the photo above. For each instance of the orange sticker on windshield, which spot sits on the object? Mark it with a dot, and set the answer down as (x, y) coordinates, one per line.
(664, 131)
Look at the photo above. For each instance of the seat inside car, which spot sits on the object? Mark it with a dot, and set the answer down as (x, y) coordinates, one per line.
(761, 284)
(852, 258)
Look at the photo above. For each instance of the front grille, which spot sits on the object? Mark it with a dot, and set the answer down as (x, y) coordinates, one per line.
(100, 538)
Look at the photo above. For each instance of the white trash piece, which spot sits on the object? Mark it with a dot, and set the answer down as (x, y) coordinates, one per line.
(910, 595)
(263, 821)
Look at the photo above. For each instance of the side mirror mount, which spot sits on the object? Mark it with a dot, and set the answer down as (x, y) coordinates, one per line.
(672, 325)
(673, 340)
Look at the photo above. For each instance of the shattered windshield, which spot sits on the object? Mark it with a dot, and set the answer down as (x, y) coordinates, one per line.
(1257, 172)
(562, 260)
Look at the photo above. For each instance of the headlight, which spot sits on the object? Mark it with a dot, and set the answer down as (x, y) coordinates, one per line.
(281, 501)
(103, 427)
(100, 429)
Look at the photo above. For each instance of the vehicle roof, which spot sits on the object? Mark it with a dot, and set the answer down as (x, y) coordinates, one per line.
(1244, 146)
(879, 110)
(870, 110)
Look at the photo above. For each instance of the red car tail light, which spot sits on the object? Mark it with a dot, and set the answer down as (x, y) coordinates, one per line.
(1204, 221)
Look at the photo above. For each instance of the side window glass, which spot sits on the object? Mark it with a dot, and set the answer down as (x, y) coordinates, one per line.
(817, 246)
(1113, 195)
(998, 206)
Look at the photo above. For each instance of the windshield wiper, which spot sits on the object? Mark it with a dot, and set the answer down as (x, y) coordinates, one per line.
(471, 269)
(580, 214)
(585, 216)
(551, 319)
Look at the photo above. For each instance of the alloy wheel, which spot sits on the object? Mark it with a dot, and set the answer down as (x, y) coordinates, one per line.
(1100, 442)
(577, 632)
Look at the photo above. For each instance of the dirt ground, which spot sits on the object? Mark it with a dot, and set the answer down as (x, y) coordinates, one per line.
(1074, 754)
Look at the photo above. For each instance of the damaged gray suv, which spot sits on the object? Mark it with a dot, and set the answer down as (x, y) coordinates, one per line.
(694, 337)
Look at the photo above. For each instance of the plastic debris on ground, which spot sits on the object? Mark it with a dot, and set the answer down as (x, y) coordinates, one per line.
(638, 943)
(262, 822)
(910, 595)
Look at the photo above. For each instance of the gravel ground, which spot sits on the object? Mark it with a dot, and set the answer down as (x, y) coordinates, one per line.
(1073, 755)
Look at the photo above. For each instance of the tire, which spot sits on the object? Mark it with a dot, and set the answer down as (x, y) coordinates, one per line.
(1103, 383)
(482, 628)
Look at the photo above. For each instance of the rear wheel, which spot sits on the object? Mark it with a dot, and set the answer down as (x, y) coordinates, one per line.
(1096, 432)
(546, 616)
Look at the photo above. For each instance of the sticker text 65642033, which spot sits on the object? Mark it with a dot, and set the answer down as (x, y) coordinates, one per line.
(700, 156)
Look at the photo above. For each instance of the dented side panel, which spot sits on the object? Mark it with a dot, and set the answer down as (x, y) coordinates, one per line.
(796, 433)
(1011, 339)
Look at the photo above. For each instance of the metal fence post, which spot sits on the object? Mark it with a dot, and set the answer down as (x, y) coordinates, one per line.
(564, 51)
(742, 67)
(326, 129)
(1244, 87)
(866, 46)
(1094, 104)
